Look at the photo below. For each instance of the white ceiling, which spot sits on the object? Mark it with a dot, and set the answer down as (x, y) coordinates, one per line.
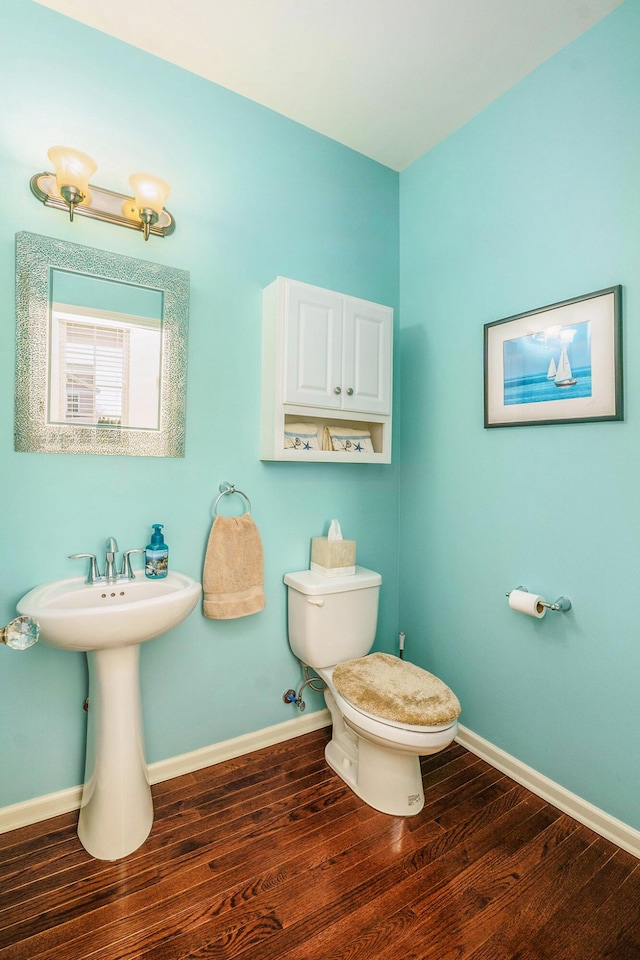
(389, 78)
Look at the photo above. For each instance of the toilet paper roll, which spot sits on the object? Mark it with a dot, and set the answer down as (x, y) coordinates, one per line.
(528, 603)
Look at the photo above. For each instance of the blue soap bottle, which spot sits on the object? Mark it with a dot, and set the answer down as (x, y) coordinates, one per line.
(156, 565)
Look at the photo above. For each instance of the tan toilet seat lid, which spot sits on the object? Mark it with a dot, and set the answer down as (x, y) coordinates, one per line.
(393, 689)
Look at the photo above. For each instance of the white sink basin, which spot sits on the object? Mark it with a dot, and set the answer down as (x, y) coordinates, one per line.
(74, 615)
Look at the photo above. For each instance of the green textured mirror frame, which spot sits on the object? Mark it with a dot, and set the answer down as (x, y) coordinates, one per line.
(101, 351)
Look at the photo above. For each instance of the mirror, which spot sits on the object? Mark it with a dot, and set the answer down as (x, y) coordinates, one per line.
(101, 351)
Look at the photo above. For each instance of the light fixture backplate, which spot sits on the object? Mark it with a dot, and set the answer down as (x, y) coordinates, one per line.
(100, 204)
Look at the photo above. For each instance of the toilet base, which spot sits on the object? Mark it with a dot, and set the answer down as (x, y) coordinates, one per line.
(386, 779)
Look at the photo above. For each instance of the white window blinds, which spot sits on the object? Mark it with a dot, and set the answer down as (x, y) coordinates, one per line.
(94, 372)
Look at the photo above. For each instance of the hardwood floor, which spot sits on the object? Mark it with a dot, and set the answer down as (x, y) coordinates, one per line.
(271, 857)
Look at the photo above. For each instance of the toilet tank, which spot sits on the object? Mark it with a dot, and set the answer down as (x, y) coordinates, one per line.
(332, 619)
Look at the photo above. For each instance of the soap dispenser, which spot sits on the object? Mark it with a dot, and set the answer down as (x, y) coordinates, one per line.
(156, 555)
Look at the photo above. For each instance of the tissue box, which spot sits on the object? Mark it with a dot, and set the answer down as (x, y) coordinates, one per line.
(333, 558)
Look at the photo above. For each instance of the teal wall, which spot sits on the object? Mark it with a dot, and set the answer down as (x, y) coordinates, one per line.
(534, 201)
(254, 195)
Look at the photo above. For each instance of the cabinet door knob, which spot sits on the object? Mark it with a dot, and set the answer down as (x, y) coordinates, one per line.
(349, 391)
(337, 390)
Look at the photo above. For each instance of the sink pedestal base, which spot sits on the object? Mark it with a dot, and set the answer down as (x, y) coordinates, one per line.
(117, 809)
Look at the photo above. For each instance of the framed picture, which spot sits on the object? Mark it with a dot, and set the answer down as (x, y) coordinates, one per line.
(558, 364)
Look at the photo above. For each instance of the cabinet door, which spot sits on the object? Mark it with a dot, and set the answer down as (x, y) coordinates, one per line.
(366, 377)
(312, 346)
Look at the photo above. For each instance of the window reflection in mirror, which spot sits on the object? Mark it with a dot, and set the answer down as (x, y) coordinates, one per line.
(105, 352)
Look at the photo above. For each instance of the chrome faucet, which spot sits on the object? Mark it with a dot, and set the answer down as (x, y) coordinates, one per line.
(110, 571)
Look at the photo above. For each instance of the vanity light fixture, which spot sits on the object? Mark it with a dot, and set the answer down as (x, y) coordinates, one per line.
(69, 189)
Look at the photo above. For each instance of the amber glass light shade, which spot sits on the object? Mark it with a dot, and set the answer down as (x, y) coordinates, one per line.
(73, 170)
(150, 192)
(150, 195)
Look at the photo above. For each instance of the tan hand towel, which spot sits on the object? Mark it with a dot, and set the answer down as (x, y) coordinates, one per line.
(233, 574)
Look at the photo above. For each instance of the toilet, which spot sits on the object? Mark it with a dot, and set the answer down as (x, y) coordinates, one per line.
(386, 712)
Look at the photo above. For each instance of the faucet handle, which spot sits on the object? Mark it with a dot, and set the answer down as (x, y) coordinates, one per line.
(127, 572)
(94, 573)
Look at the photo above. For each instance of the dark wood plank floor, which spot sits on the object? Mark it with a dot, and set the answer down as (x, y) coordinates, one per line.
(271, 857)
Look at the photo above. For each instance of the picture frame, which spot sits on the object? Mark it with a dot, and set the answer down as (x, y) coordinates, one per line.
(557, 364)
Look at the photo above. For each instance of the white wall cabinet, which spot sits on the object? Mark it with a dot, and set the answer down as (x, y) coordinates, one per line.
(327, 360)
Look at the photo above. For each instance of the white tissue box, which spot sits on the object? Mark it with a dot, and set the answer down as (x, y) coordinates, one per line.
(333, 558)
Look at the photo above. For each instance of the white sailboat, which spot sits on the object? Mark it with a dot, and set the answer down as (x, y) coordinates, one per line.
(551, 373)
(564, 377)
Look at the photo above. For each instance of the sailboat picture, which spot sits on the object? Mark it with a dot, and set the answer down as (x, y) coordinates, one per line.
(564, 377)
(558, 364)
(553, 363)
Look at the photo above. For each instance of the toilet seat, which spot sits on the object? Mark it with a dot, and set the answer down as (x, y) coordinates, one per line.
(410, 737)
(396, 691)
(417, 728)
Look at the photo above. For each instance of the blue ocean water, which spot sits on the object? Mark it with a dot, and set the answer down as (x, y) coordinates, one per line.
(534, 388)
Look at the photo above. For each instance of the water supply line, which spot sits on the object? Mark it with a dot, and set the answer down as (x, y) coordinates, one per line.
(401, 645)
(290, 696)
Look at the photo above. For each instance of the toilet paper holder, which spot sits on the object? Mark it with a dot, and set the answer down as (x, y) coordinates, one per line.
(562, 603)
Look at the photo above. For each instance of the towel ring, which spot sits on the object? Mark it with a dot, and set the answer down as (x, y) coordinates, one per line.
(226, 488)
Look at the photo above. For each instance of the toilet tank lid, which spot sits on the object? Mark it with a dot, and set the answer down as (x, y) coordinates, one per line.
(309, 582)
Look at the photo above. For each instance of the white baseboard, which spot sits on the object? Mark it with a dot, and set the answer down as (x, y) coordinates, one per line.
(64, 801)
(237, 747)
(40, 808)
(597, 820)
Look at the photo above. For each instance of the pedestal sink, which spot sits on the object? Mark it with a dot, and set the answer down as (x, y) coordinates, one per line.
(109, 621)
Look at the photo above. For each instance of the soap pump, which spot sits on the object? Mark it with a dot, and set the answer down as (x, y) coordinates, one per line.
(156, 555)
